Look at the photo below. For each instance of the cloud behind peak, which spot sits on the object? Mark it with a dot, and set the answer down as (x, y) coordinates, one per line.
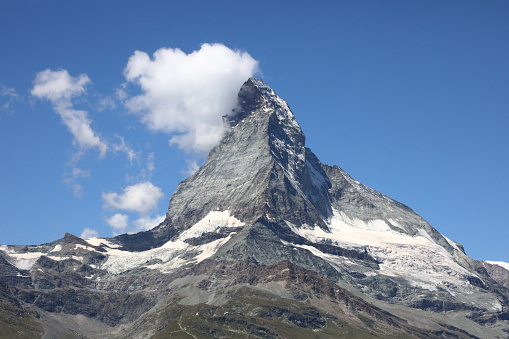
(185, 95)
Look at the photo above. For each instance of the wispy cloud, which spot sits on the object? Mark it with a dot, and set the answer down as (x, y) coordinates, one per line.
(123, 147)
(8, 97)
(71, 179)
(60, 88)
(185, 95)
(191, 168)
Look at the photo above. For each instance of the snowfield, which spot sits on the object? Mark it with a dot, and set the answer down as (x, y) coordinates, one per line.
(164, 258)
(168, 257)
(417, 259)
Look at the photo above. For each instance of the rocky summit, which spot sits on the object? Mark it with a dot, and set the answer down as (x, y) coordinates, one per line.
(263, 241)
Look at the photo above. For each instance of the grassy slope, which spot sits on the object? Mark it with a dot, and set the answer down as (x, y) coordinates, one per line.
(15, 321)
(255, 314)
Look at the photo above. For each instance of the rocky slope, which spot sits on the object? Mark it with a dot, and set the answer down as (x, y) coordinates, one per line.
(263, 240)
(498, 271)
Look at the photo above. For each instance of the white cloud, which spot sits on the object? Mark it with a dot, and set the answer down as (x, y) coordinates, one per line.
(142, 198)
(185, 95)
(89, 233)
(147, 223)
(119, 222)
(59, 88)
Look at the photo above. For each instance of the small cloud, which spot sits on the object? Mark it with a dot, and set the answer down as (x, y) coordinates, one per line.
(71, 179)
(147, 223)
(59, 88)
(185, 95)
(119, 223)
(107, 104)
(142, 198)
(9, 97)
(78, 172)
(89, 233)
(121, 92)
(123, 147)
(8, 92)
(150, 162)
(77, 189)
(191, 168)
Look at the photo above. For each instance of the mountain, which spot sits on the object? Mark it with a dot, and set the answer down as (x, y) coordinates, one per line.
(262, 241)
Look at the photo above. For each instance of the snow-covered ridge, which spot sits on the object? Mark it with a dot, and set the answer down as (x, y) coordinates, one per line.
(23, 261)
(168, 256)
(212, 222)
(164, 258)
(417, 259)
(499, 263)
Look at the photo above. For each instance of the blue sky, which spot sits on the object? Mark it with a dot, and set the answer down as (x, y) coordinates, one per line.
(409, 97)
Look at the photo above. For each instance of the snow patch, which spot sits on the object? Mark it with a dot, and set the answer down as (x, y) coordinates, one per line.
(316, 177)
(24, 261)
(99, 241)
(168, 256)
(425, 234)
(88, 248)
(5, 249)
(80, 259)
(416, 258)
(57, 248)
(212, 222)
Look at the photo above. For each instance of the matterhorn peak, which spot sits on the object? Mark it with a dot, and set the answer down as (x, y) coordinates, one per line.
(264, 220)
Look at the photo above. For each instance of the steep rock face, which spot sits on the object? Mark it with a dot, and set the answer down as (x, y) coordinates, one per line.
(498, 273)
(359, 201)
(260, 167)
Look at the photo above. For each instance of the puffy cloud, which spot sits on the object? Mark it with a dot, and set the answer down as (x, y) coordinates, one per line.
(186, 95)
(119, 222)
(147, 223)
(89, 233)
(59, 88)
(142, 198)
